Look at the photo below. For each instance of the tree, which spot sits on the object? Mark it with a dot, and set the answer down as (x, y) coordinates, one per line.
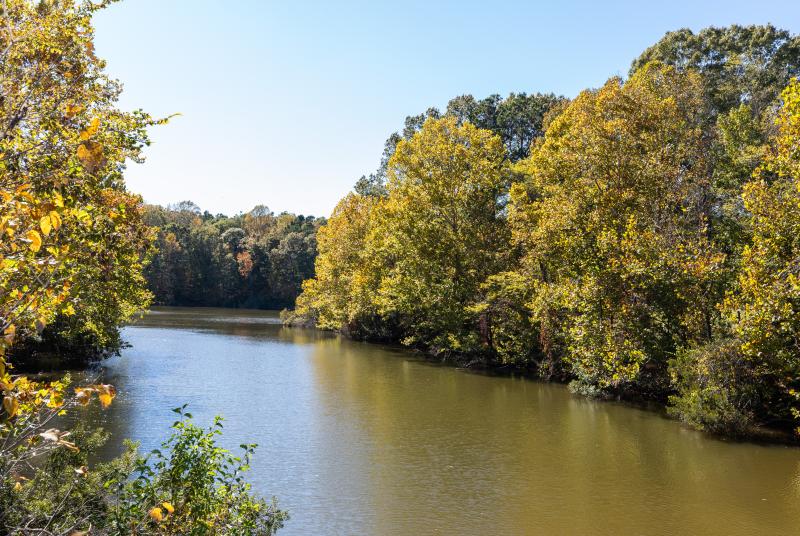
(612, 221)
(737, 64)
(518, 120)
(65, 144)
(73, 245)
(255, 260)
(340, 296)
(765, 307)
(441, 230)
(743, 69)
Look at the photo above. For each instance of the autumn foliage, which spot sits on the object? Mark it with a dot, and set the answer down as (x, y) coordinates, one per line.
(645, 246)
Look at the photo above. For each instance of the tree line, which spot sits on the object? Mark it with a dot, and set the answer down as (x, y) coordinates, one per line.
(639, 240)
(254, 260)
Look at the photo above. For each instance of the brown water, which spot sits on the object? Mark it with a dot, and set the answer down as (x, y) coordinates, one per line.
(362, 439)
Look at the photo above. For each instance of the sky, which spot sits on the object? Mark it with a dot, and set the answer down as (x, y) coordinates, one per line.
(288, 103)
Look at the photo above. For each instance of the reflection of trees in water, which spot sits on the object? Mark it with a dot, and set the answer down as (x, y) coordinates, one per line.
(442, 444)
(458, 451)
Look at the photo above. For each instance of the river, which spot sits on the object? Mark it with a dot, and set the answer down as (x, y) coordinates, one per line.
(357, 438)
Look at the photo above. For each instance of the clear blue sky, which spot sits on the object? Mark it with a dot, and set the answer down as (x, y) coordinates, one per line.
(287, 103)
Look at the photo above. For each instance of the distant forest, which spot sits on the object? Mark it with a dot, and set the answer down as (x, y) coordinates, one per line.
(255, 260)
(259, 260)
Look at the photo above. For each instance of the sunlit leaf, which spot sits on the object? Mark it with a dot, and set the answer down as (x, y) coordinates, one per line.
(35, 240)
(156, 514)
(10, 405)
(55, 219)
(90, 153)
(45, 225)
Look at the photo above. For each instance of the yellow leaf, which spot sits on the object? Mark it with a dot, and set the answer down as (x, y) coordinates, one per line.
(9, 333)
(106, 393)
(91, 130)
(45, 225)
(35, 240)
(82, 216)
(156, 514)
(90, 153)
(11, 405)
(105, 399)
(55, 219)
(73, 110)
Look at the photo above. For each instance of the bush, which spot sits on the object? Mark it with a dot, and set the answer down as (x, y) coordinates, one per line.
(197, 488)
(713, 391)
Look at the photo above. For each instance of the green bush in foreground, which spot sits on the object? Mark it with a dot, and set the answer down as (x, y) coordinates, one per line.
(191, 486)
(196, 488)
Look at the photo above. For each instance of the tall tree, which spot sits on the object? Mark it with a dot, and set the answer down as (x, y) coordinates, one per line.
(340, 296)
(518, 120)
(612, 220)
(765, 307)
(65, 145)
(441, 230)
(738, 64)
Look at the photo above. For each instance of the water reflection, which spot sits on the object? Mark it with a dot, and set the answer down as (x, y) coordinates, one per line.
(362, 439)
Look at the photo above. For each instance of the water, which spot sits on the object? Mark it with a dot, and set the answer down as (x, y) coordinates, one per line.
(363, 439)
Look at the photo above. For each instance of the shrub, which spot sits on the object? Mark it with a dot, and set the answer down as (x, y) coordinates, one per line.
(713, 391)
(196, 488)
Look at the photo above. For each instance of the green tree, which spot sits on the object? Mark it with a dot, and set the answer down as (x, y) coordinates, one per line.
(737, 64)
(256, 260)
(518, 120)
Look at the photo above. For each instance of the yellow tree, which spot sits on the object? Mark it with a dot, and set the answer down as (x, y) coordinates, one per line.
(73, 239)
(340, 295)
(441, 232)
(765, 309)
(613, 223)
(65, 144)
